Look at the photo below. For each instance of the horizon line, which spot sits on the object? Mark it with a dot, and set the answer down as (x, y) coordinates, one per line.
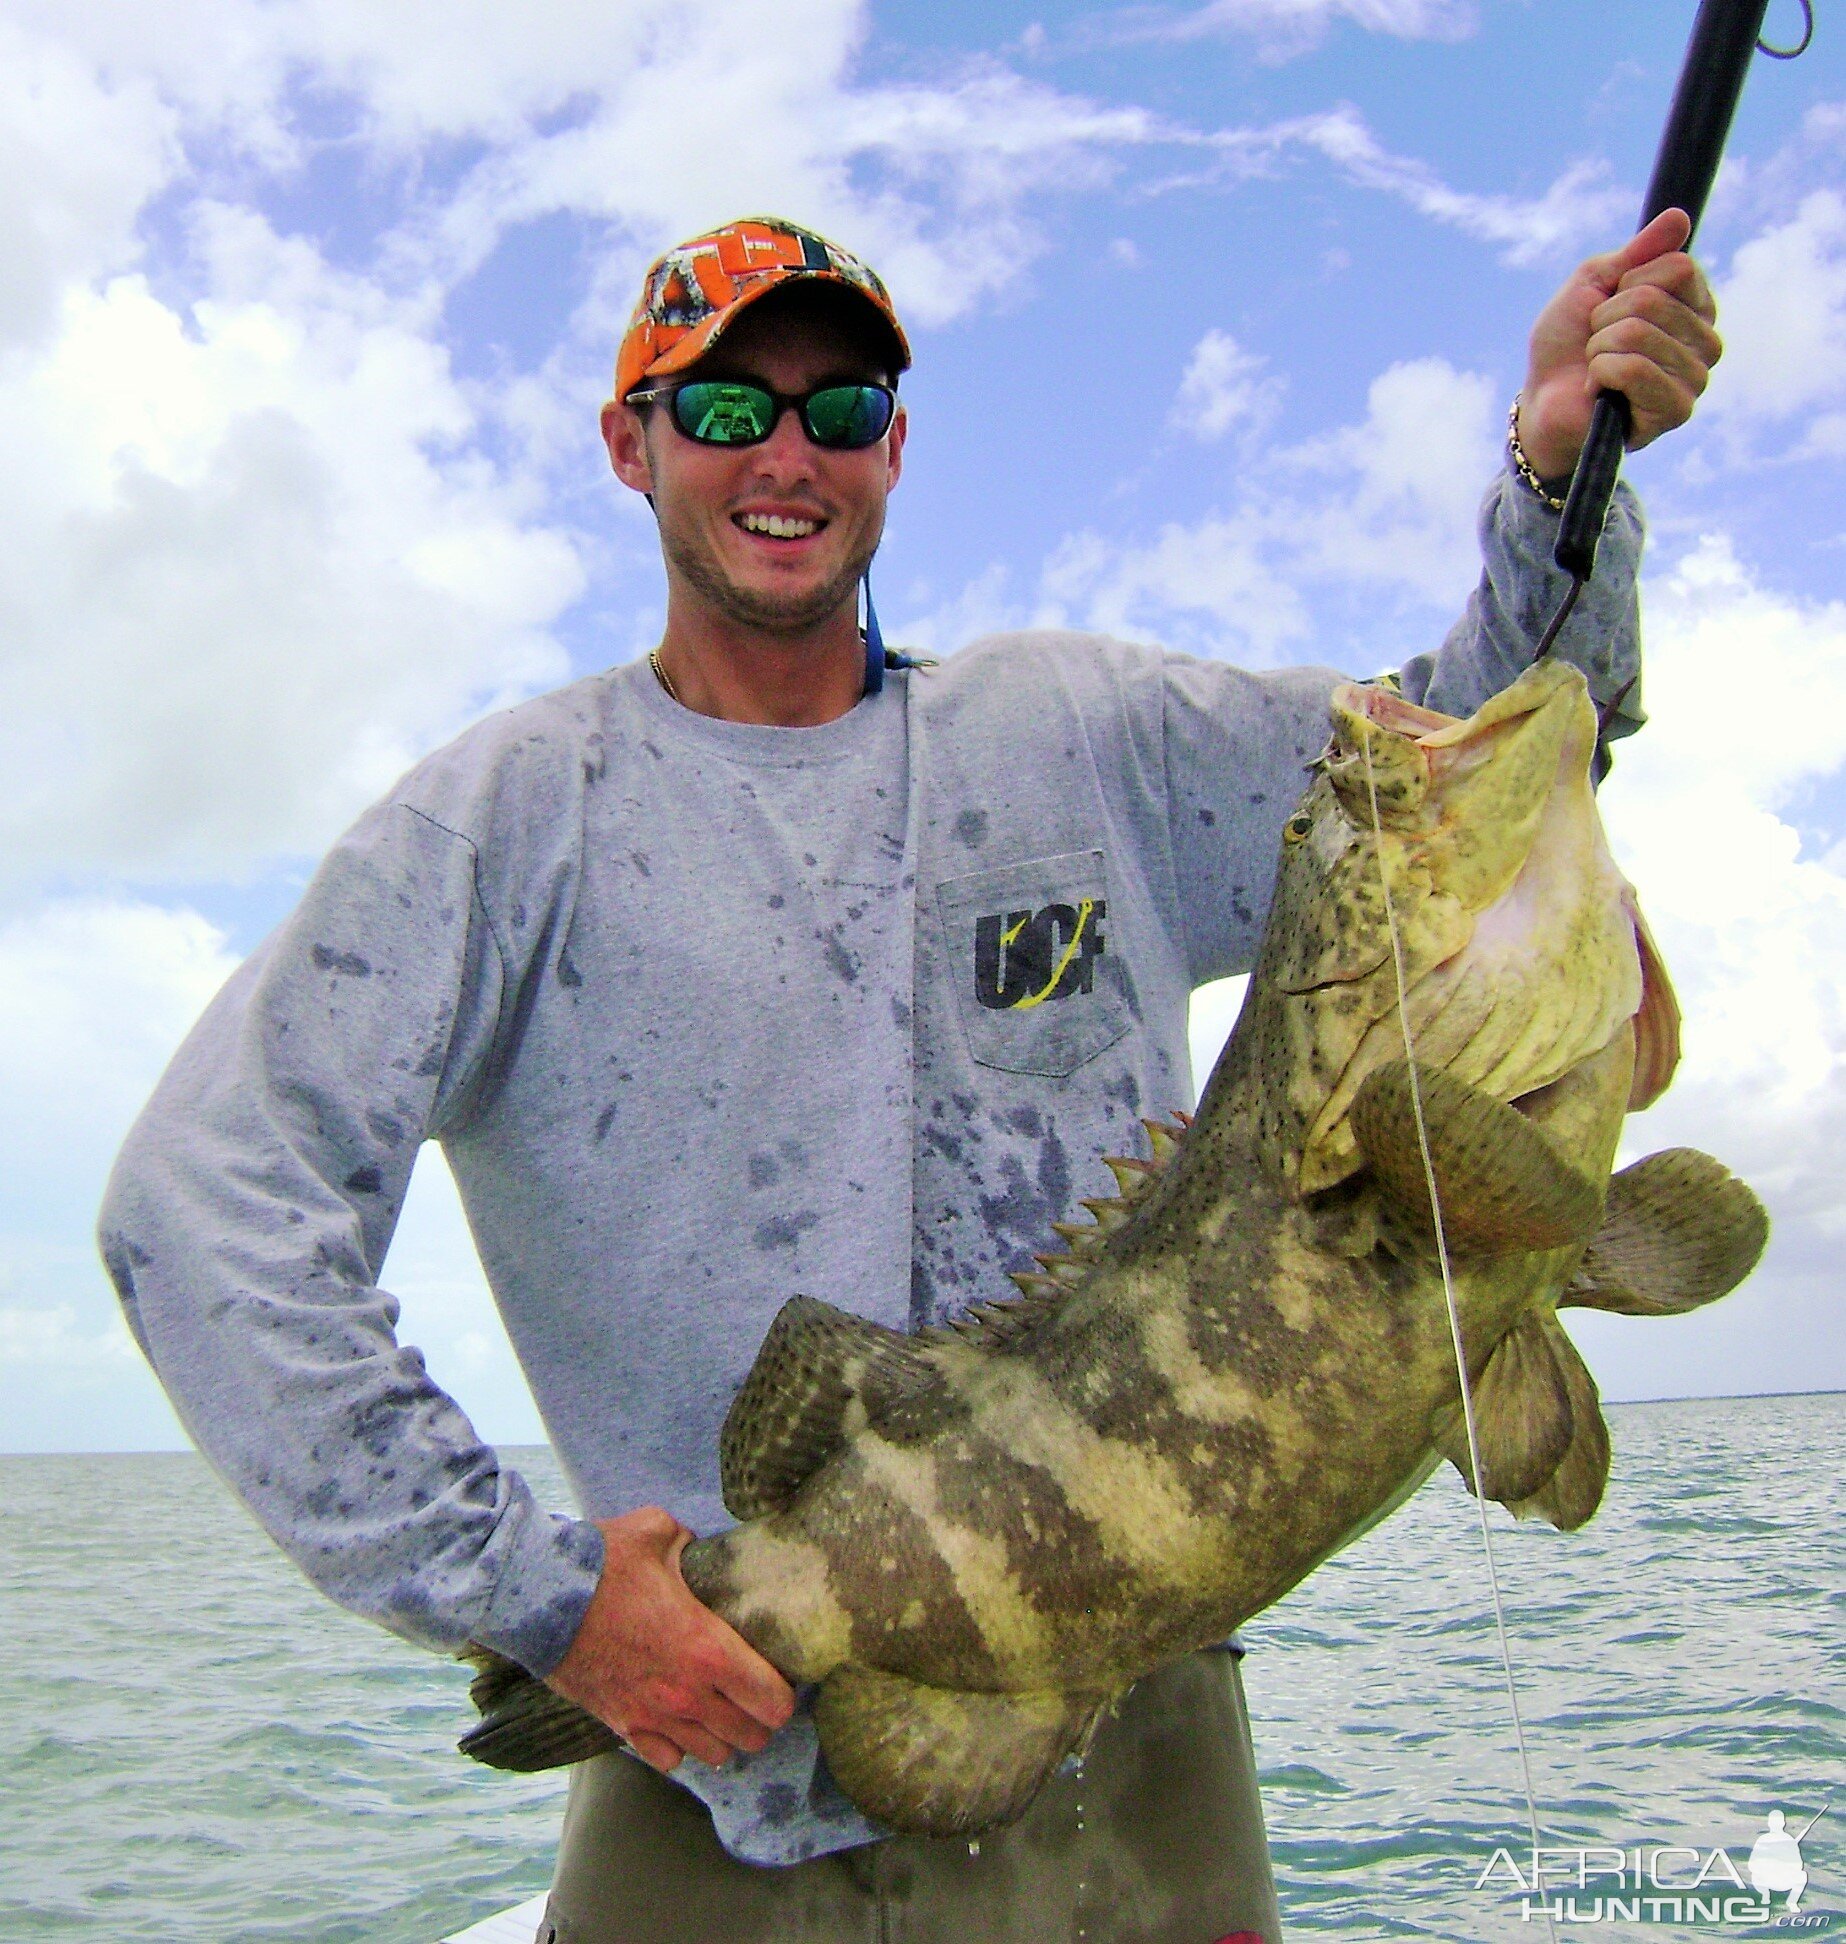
(1612, 1403)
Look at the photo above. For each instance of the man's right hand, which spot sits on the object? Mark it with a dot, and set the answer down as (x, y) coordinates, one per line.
(662, 1670)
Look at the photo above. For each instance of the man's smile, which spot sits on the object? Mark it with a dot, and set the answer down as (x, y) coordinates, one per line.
(779, 526)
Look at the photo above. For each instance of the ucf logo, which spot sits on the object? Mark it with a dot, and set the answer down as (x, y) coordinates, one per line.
(1023, 958)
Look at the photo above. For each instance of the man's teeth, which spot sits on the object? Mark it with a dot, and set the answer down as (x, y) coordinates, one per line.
(779, 526)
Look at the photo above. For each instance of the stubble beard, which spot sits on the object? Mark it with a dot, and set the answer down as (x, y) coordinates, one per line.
(794, 613)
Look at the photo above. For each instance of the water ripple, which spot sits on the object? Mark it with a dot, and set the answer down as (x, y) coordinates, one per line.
(229, 1757)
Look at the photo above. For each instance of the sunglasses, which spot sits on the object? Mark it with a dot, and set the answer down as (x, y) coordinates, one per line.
(734, 412)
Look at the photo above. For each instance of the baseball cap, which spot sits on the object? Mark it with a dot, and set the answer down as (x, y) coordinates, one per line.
(695, 290)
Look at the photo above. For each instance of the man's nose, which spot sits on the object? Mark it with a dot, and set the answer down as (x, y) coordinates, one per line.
(788, 448)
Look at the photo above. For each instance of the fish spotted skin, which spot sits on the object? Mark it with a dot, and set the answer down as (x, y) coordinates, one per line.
(973, 1539)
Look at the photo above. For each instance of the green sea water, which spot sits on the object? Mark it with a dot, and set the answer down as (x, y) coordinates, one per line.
(195, 1746)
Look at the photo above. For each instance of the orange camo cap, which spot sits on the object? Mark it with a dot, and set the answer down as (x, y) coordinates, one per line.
(691, 293)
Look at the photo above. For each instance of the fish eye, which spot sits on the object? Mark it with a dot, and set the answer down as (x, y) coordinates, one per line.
(1297, 827)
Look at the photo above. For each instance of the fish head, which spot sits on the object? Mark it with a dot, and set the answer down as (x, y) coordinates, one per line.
(1466, 858)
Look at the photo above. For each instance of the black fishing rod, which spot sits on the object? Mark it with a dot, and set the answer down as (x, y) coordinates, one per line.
(1724, 36)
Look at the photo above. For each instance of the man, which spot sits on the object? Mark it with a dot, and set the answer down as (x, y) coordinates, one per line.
(750, 969)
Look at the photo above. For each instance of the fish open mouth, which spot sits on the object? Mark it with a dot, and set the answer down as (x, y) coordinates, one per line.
(1449, 743)
(1522, 949)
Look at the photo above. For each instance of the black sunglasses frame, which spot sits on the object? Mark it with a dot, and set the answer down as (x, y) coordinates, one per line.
(780, 402)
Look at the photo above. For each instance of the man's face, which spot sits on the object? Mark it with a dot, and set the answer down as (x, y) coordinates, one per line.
(713, 502)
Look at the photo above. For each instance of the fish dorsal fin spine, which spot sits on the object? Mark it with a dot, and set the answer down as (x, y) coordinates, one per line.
(989, 1325)
(1085, 1243)
(817, 1366)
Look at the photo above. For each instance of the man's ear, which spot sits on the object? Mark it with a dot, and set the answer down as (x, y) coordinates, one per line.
(894, 448)
(625, 434)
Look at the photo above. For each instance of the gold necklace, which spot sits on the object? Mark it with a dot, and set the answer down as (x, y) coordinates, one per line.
(660, 675)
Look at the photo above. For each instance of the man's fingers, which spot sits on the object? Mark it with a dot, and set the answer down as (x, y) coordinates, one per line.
(744, 1678)
(1668, 232)
(690, 1736)
(1679, 277)
(1657, 402)
(753, 1685)
(736, 1727)
(655, 1750)
(1635, 337)
(1648, 305)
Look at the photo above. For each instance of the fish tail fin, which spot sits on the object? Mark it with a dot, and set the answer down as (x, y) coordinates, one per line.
(1679, 1230)
(929, 1761)
(524, 1724)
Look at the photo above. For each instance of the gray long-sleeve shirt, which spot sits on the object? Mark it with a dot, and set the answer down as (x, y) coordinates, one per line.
(707, 1014)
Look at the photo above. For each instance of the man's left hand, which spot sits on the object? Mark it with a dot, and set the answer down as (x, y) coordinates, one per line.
(1639, 321)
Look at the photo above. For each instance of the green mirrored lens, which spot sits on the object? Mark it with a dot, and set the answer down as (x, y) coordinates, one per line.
(722, 413)
(848, 415)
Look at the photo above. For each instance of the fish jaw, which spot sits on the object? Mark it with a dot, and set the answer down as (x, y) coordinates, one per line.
(1516, 932)
(1550, 969)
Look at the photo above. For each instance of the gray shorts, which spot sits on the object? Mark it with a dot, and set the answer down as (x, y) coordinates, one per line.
(1160, 1841)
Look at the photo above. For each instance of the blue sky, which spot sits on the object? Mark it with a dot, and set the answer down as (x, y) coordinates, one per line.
(306, 312)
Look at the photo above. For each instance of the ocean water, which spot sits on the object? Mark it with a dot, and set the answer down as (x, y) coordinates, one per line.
(195, 1746)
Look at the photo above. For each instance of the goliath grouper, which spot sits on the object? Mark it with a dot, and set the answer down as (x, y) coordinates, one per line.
(974, 1539)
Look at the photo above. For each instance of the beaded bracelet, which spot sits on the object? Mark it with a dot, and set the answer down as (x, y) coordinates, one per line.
(1523, 466)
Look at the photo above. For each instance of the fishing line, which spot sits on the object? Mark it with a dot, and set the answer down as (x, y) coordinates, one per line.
(1448, 1296)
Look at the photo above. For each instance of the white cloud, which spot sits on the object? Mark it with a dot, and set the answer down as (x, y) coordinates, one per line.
(448, 1311)
(79, 154)
(95, 995)
(1407, 482)
(1223, 386)
(256, 566)
(1579, 204)
(1783, 313)
(1284, 28)
(1213, 1013)
(931, 183)
(656, 116)
(1389, 503)
(1217, 568)
(1753, 932)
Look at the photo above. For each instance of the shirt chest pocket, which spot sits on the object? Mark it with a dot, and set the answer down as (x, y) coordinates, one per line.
(1036, 982)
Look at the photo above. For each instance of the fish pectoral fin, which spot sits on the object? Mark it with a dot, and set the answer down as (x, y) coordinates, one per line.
(1679, 1230)
(1523, 1417)
(1574, 1491)
(796, 1406)
(524, 1724)
(944, 1762)
(1504, 1185)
